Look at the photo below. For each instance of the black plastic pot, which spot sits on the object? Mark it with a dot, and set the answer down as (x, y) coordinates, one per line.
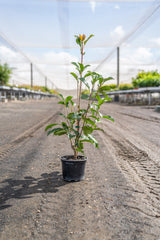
(73, 170)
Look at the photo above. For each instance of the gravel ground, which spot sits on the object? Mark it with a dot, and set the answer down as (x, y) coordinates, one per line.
(20, 116)
(120, 197)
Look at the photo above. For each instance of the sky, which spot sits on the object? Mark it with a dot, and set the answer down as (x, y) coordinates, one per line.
(43, 31)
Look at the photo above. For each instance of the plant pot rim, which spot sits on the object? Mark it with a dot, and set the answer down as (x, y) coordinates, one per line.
(70, 158)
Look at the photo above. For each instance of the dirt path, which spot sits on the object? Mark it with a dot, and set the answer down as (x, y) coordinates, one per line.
(119, 199)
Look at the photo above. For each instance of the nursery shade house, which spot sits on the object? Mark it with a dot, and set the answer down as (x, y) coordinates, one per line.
(37, 39)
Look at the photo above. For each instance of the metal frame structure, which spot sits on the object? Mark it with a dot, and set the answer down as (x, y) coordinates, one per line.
(144, 95)
(13, 93)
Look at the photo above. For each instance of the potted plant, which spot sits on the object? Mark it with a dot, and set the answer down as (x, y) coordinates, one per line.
(79, 122)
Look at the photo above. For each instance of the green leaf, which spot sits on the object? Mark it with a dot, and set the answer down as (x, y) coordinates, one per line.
(95, 107)
(86, 66)
(84, 81)
(53, 130)
(90, 139)
(103, 88)
(72, 102)
(76, 132)
(61, 114)
(87, 130)
(74, 116)
(50, 126)
(89, 121)
(107, 99)
(101, 80)
(79, 147)
(88, 39)
(107, 79)
(94, 111)
(82, 111)
(67, 100)
(61, 102)
(98, 98)
(78, 41)
(79, 150)
(109, 117)
(96, 118)
(95, 78)
(60, 132)
(95, 143)
(71, 135)
(81, 67)
(74, 75)
(64, 125)
(74, 63)
(100, 114)
(99, 129)
(87, 74)
(84, 96)
(61, 96)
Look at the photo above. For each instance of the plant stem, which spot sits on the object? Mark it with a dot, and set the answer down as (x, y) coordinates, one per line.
(79, 88)
(77, 94)
(85, 114)
(75, 154)
(80, 77)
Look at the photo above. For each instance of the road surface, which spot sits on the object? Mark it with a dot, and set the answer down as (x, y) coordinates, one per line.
(120, 197)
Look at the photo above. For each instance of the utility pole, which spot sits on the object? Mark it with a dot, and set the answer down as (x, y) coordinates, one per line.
(117, 67)
(31, 75)
(46, 82)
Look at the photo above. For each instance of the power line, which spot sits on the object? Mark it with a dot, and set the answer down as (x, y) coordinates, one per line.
(73, 47)
(148, 15)
(63, 16)
(98, 0)
(2, 35)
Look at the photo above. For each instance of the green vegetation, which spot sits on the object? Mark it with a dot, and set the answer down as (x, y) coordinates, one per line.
(35, 88)
(125, 86)
(107, 88)
(110, 87)
(86, 91)
(39, 88)
(146, 79)
(78, 123)
(143, 79)
(5, 73)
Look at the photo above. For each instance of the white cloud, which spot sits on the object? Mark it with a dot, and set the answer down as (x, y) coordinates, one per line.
(156, 42)
(142, 55)
(117, 6)
(56, 66)
(131, 61)
(93, 5)
(61, 58)
(8, 54)
(4, 51)
(117, 33)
